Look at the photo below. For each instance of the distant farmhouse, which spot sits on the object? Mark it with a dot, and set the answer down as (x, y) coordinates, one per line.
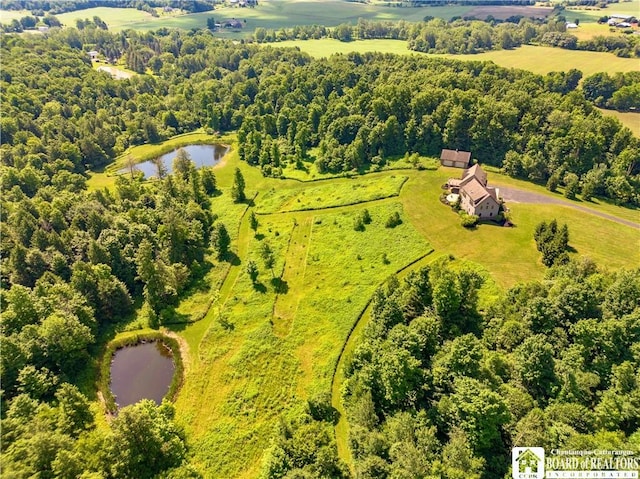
(455, 158)
(476, 198)
(233, 23)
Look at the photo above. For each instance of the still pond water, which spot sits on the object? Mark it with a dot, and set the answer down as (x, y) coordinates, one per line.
(201, 155)
(143, 371)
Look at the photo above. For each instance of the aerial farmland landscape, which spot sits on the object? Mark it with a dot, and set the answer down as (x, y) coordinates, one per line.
(312, 239)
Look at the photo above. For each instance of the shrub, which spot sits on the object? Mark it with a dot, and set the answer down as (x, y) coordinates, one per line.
(366, 217)
(468, 221)
(393, 220)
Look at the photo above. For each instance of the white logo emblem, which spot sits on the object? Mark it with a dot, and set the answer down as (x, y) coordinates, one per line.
(527, 462)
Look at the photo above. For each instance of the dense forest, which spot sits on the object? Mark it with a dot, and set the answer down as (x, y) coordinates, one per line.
(77, 261)
(437, 388)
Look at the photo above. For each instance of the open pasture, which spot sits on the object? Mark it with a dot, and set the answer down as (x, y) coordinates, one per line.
(253, 364)
(503, 12)
(6, 16)
(276, 14)
(536, 59)
(341, 192)
(116, 18)
(542, 60)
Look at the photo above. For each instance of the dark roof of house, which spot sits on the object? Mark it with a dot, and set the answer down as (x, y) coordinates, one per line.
(478, 192)
(456, 155)
(476, 172)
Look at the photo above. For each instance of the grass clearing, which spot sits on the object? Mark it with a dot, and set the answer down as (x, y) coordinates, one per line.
(629, 119)
(201, 295)
(340, 192)
(249, 371)
(116, 18)
(542, 60)
(6, 16)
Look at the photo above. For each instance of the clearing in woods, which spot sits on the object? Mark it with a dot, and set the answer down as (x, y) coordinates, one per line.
(263, 347)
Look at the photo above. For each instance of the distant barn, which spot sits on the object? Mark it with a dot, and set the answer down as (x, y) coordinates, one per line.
(455, 158)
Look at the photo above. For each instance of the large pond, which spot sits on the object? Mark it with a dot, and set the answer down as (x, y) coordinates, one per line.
(143, 371)
(201, 155)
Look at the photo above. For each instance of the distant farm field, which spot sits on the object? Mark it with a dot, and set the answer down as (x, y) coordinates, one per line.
(115, 18)
(543, 60)
(536, 59)
(502, 12)
(7, 15)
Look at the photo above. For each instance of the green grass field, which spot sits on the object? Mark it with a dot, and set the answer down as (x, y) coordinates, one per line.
(262, 349)
(285, 14)
(337, 193)
(7, 15)
(536, 59)
(116, 18)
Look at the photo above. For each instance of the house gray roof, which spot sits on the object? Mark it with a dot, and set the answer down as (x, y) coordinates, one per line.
(456, 155)
(476, 172)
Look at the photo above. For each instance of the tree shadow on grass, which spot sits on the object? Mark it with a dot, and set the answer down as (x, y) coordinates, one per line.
(171, 316)
(226, 324)
(232, 258)
(199, 282)
(280, 286)
(259, 287)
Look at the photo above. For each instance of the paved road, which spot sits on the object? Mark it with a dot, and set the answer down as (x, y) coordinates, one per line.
(516, 195)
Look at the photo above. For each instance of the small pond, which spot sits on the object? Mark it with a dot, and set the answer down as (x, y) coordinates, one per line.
(201, 155)
(143, 371)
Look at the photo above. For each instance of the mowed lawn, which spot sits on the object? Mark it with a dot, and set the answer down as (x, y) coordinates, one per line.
(509, 254)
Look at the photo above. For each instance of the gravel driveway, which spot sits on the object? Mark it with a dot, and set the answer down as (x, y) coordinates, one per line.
(515, 195)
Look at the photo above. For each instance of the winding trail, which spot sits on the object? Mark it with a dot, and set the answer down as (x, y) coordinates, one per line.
(516, 195)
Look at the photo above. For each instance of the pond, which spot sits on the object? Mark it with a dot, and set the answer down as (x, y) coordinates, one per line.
(201, 155)
(143, 371)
